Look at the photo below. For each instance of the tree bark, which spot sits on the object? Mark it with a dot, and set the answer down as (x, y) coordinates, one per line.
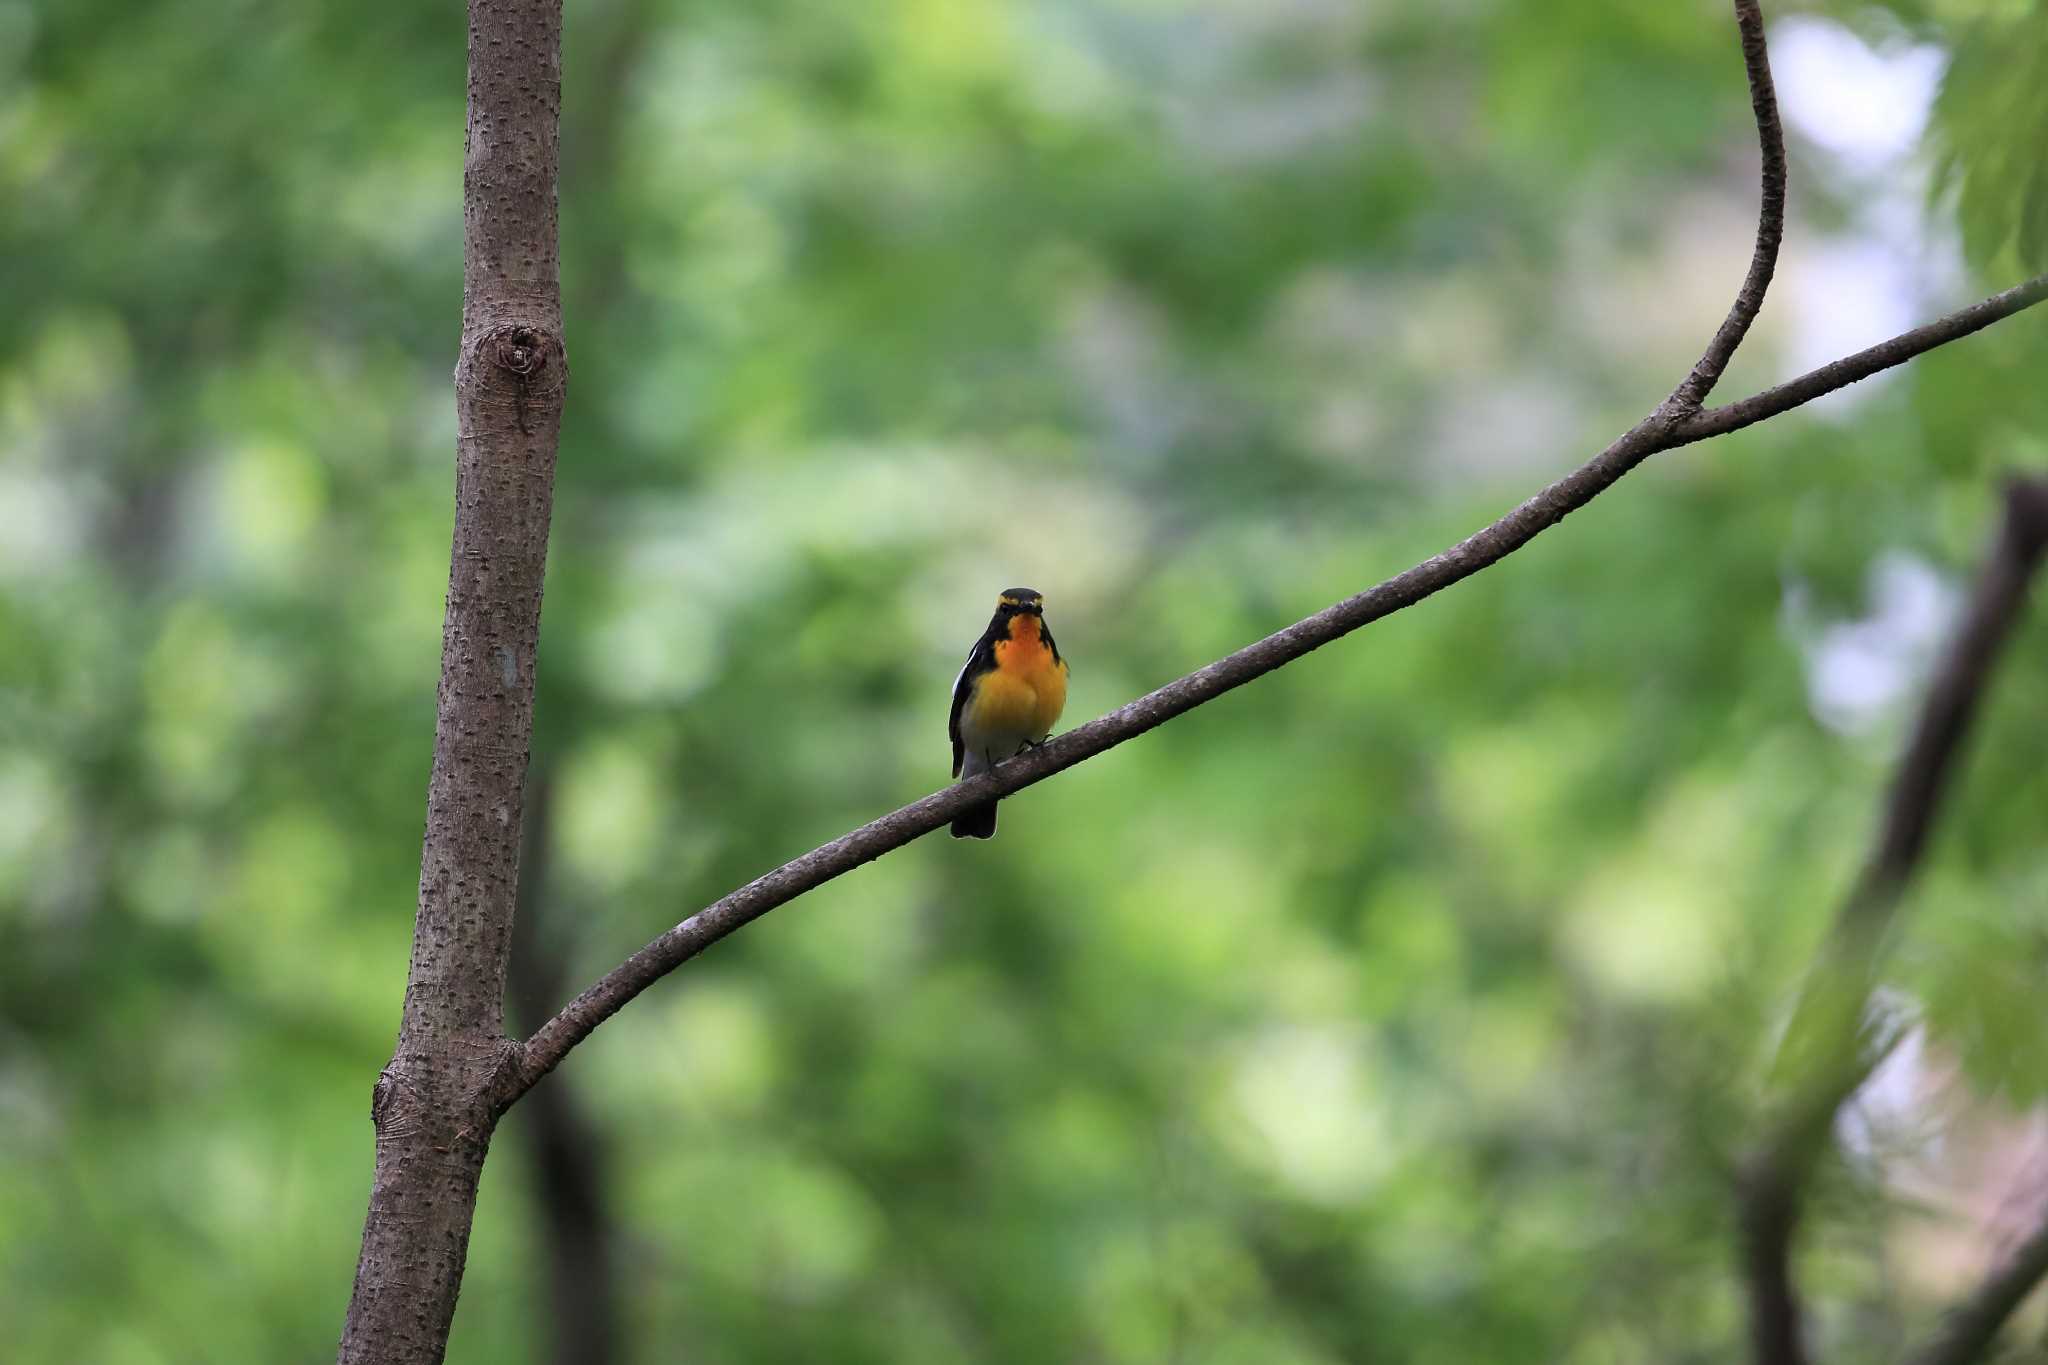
(438, 1100)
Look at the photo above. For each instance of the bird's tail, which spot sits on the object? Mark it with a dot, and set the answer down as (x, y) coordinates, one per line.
(976, 822)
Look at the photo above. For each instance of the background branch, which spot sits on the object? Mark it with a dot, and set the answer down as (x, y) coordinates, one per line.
(1967, 1330)
(1828, 1050)
(577, 1271)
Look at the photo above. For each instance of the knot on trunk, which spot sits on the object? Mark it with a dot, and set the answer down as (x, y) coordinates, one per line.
(521, 360)
(520, 350)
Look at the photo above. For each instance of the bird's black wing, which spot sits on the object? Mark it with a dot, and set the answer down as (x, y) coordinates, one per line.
(981, 659)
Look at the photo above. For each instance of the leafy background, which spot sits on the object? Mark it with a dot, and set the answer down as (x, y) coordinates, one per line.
(1408, 1005)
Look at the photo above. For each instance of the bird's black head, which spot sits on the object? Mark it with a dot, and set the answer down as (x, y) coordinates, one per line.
(1020, 600)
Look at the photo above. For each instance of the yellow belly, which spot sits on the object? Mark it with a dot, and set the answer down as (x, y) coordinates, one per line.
(1018, 705)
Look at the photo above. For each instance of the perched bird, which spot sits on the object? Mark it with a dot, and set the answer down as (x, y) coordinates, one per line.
(1006, 698)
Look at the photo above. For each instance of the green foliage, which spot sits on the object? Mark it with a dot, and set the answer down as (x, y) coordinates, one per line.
(1992, 117)
(1408, 1004)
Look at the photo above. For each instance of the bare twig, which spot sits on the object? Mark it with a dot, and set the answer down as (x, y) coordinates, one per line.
(1839, 374)
(1770, 219)
(1827, 1053)
(1672, 424)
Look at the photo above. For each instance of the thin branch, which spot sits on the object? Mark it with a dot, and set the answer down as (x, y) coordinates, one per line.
(1669, 426)
(552, 1042)
(574, 1022)
(1968, 1328)
(1770, 219)
(1851, 369)
(1827, 1052)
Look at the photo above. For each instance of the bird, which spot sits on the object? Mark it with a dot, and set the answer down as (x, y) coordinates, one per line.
(1007, 698)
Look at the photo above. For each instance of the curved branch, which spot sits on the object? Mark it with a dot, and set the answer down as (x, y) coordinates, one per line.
(574, 1022)
(1770, 219)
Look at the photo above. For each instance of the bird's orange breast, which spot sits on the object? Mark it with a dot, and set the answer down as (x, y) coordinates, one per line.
(1028, 688)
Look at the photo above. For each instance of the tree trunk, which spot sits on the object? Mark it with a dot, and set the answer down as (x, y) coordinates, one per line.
(440, 1097)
